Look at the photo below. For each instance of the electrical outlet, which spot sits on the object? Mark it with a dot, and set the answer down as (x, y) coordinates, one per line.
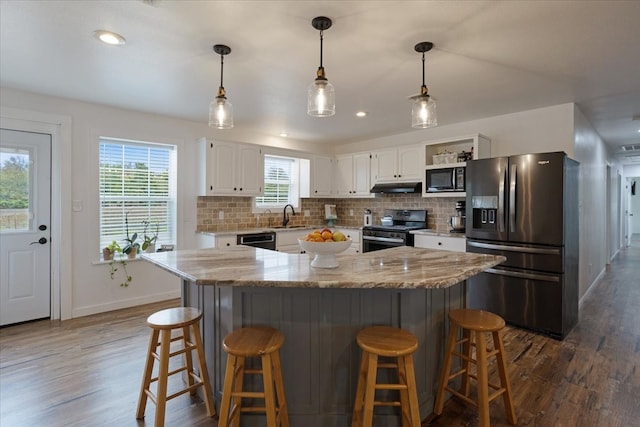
(220, 214)
(350, 212)
(307, 212)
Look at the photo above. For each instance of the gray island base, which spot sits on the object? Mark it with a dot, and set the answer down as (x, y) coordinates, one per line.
(320, 312)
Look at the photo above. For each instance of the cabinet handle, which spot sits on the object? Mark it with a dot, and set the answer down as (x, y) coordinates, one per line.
(211, 187)
(399, 176)
(240, 188)
(439, 243)
(316, 191)
(228, 244)
(235, 189)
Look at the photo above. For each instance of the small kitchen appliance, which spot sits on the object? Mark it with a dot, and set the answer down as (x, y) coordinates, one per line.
(459, 220)
(368, 218)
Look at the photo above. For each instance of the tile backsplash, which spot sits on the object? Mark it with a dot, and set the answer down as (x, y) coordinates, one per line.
(237, 211)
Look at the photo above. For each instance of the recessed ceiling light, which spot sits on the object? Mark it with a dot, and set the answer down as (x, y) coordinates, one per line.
(284, 134)
(361, 114)
(109, 37)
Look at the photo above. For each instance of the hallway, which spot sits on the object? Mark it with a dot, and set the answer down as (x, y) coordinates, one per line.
(87, 371)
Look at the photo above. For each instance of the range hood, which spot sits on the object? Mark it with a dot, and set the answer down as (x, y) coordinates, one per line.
(398, 187)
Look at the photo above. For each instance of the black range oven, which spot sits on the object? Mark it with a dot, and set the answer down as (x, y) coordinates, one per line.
(394, 231)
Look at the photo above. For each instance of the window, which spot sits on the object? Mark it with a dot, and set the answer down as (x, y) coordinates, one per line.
(281, 182)
(137, 185)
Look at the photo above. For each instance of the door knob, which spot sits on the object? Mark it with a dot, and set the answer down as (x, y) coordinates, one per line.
(41, 240)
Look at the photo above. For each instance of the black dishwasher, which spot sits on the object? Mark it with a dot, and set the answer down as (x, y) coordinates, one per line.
(264, 240)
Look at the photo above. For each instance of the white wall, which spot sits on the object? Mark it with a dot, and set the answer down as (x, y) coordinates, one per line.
(92, 291)
(534, 131)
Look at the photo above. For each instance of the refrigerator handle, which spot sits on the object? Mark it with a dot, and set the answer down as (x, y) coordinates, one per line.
(501, 201)
(512, 198)
(520, 275)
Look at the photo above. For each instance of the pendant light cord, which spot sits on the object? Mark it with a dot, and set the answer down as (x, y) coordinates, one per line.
(423, 69)
(321, 39)
(222, 69)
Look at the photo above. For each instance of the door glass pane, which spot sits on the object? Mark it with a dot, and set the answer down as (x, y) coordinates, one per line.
(14, 189)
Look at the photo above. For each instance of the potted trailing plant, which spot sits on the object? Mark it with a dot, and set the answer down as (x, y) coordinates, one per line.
(149, 241)
(113, 249)
(109, 251)
(132, 246)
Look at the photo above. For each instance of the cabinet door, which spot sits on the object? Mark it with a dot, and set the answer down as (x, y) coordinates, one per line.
(223, 160)
(250, 170)
(385, 165)
(410, 163)
(225, 241)
(322, 174)
(361, 175)
(443, 243)
(344, 176)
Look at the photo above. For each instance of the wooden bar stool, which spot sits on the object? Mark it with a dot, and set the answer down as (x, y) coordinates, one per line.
(256, 341)
(162, 324)
(391, 342)
(474, 325)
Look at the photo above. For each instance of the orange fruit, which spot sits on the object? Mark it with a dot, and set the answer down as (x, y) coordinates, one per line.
(326, 234)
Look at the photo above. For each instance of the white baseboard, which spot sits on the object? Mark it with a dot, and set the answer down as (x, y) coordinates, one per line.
(117, 305)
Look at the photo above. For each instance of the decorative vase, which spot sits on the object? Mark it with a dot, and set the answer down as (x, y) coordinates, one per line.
(107, 255)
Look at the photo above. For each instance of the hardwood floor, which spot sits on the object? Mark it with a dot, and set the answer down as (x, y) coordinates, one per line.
(87, 371)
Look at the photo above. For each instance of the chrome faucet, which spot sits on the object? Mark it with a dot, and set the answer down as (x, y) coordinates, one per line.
(285, 217)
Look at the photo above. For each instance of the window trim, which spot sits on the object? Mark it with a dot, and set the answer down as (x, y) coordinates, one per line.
(296, 200)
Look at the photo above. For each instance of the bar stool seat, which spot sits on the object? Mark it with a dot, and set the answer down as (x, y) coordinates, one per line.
(474, 325)
(162, 324)
(256, 341)
(390, 342)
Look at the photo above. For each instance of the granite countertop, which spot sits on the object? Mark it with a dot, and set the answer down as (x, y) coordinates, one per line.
(275, 229)
(401, 267)
(428, 232)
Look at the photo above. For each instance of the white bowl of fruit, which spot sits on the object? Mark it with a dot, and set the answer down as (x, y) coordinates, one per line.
(325, 244)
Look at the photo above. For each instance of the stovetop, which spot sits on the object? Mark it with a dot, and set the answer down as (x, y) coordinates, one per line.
(402, 220)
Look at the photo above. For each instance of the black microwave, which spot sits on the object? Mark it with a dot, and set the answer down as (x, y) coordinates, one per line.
(445, 180)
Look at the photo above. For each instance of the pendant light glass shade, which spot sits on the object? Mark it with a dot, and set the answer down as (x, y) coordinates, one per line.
(220, 109)
(423, 112)
(221, 113)
(321, 97)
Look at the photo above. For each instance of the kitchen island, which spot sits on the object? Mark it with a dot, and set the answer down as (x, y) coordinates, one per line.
(321, 310)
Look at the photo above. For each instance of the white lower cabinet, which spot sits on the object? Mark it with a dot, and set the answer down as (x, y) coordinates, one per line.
(443, 243)
(356, 240)
(287, 241)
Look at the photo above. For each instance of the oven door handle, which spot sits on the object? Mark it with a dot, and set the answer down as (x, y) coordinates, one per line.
(382, 239)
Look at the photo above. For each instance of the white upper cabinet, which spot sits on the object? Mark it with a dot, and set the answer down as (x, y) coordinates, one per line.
(228, 168)
(322, 176)
(353, 175)
(398, 164)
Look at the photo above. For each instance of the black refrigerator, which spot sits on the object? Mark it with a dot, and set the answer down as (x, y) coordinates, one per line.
(525, 207)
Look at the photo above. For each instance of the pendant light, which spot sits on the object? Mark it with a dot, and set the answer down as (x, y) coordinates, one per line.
(423, 113)
(221, 110)
(321, 97)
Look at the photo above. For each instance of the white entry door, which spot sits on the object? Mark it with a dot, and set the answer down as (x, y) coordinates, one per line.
(25, 216)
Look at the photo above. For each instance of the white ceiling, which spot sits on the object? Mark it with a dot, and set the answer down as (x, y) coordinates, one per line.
(490, 58)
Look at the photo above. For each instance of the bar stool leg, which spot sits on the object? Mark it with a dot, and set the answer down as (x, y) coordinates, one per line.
(163, 370)
(504, 378)
(148, 370)
(283, 412)
(238, 384)
(410, 382)
(356, 419)
(188, 357)
(446, 368)
(225, 405)
(204, 372)
(405, 405)
(370, 390)
(483, 380)
(269, 398)
(466, 363)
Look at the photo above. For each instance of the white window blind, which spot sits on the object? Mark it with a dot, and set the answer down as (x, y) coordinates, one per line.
(281, 182)
(138, 183)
